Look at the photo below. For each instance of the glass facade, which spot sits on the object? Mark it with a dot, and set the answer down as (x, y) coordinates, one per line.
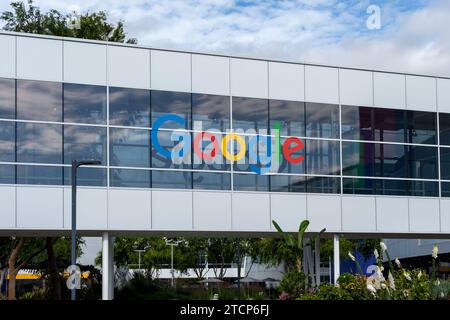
(347, 149)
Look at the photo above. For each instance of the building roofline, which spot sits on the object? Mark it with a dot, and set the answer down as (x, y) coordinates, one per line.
(138, 46)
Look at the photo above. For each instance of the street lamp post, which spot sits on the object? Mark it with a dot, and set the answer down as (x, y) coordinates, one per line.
(172, 243)
(139, 251)
(75, 165)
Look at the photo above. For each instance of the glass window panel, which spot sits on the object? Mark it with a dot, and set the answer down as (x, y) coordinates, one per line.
(83, 142)
(86, 176)
(211, 181)
(358, 159)
(165, 141)
(445, 189)
(250, 114)
(7, 174)
(445, 163)
(213, 111)
(177, 103)
(39, 143)
(289, 167)
(250, 182)
(129, 147)
(357, 123)
(282, 183)
(422, 162)
(390, 160)
(389, 125)
(218, 161)
(172, 179)
(424, 188)
(421, 127)
(39, 100)
(7, 98)
(290, 115)
(322, 120)
(129, 107)
(7, 141)
(43, 175)
(84, 103)
(358, 186)
(444, 128)
(323, 185)
(322, 157)
(392, 187)
(129, 178)
(260, 158)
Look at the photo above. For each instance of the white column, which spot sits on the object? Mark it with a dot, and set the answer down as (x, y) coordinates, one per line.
(336, 258)
(107, 267)
(317, 260)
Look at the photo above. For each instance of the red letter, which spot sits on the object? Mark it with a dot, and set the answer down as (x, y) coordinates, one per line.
(198, 141)
(287, 151)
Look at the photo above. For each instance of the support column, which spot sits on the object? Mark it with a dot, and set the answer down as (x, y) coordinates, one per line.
(336, 258)
(317, 260)
(107, 267)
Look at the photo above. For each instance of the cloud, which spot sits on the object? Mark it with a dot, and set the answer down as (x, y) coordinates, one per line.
(414, 36)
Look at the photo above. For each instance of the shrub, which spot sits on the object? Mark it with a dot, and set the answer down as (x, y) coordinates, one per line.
(293, 283)
(353, 286)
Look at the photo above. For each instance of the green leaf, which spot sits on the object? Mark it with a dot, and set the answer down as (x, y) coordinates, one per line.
(301, 233)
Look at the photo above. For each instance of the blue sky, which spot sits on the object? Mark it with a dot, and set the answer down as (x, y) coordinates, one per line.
(413, 37)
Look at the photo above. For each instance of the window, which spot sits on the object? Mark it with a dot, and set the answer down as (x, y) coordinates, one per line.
(129, 147)
(250, 182)
(290, 115)
(283, 183)
(130, 178)
(445, 163)
(7, 98)
(170, 141)
(421, 127)
(357, 123)
(323, 185)
(392, 187)
(84, 103)
(177, 103)
(389, 125)
(445, 189)
(358, 159)
(444, 128)
(129, 107)
(211, 181)
(39, 100)
(172, 179)
(86, 176)
(7, 174)
(7, 141)
(358, 186)
(424, 188)
(422, 162)
(250, 114)
(42, 175)
(83, 142)
(289, 167)
(215, 159)
(39, 143)
(213, 111)
(322, 157)
(390, 160)
(322, 120)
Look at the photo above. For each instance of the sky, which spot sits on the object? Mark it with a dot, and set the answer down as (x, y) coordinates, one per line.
(413, 36)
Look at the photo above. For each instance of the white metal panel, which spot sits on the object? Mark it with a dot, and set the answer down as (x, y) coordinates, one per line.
(210, 74)
(358, 214)
(170, 71)
(8, 207)
(84, 63)
(424, 215)
(128, 67)
(389, 90)
(39, 207)
(249, 78)
(251, 211)
(321, 84)
(356, 87)
(286, 81)
(420, 93)
(129, 209)
(288, 210)
(443, 95)
(212, 211)
(7, 56)
(171, 210)
(92, 208)
(392, 214)
(324, 211)
(445, 216)
(39, 59)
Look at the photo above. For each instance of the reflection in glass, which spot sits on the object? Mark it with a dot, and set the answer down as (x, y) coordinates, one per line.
(213, 111)
(172, 179)
(358, 186)
(129, 178)
(250, 182)
(129, 107)
(282, 183)
(445, 163)
(7, 98)
(129, 147)
(39, 175)
(250, 114)
(322, 120)
(7, 141)
(392, 187)
(445, 189)
(211, 181)
(357, 123)
(389, 125)
(39, 143)
(290, 115)
(390, 160)
(165, 141)
(444, 129)
(83, 142)
(323, 185)
(322, 157)
(217, 161)
(7, 174)
(358, 159)
(424, 188)
(421, 127)
(86, 176)
(39, 100)
(290, 167)
(84, 103)
(177, 103)
(422, 162)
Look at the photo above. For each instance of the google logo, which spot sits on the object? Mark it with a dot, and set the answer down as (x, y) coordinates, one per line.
(220, 147)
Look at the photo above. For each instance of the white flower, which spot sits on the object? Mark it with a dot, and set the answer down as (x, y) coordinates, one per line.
(375, 253)
(407, 276)
(391, 281)
(382, 268)
(434, 253)
(383, 286)
(442, 294)
(351, 256)
(383, 246)
(406, 293)
(419, 274)
(397, 262)
(437, 282)
(371, 288)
